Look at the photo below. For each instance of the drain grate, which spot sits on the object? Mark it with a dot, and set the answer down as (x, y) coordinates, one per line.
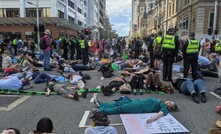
(8, 102)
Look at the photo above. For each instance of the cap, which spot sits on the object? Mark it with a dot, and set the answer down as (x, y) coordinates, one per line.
(99, 116)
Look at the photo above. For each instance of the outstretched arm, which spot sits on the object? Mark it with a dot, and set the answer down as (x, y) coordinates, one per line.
(155, 117)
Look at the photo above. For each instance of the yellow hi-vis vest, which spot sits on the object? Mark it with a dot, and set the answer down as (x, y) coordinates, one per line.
(158, 40)
(218, 46)
(169, 42)
(82, 45)
(193, 47)
(14, 42)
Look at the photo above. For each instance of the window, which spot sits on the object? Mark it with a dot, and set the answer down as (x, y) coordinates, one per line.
(80, 23)
(43, 12)
(211, 20)
(71, 19)
(9, 12)
(85, 15)
(71, 4)
(79, 10)
(85, 3)
(60, 14)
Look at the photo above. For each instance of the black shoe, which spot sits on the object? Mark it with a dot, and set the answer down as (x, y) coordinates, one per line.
(195, 98)
(203, 98)
(80, 73)
(76, 96)
(84, 94)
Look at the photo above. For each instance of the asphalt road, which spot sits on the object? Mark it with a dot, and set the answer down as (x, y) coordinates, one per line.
(66, 114)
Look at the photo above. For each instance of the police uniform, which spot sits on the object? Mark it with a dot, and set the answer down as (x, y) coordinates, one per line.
(84, 51)
(218, 47)
(190, 53)
(170, 45)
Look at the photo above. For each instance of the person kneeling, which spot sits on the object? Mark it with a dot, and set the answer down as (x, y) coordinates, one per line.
(67, 92)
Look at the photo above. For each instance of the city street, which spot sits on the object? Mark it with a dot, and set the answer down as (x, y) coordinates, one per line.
(67, 114)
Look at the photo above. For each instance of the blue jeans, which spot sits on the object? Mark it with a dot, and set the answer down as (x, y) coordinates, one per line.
(41, 78)
(188, 87)
(47, 54)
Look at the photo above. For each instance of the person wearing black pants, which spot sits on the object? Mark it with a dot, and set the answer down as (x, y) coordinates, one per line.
(190, 52)
(72, 46)
(137, 83)
(170, 46)
(150, 48)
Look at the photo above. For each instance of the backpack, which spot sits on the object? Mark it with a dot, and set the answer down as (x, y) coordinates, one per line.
(43, 44)
(157, 50)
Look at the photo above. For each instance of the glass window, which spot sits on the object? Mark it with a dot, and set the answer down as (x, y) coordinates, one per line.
(80, 23)
(85, 3)
(85, 15)
(211, 20)
(71, 19)
(71, 4)
(43, 12)
(79, 10)
(60, 14)
(9, 12)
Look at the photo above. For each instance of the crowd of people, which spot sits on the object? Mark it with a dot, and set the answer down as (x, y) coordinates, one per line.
(139, 59)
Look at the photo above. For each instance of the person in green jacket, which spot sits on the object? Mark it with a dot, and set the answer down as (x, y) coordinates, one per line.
(138, 106)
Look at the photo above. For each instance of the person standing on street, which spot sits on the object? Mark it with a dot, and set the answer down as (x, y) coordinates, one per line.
(83, 50)
(157, 51)
(190, 51)
(150, 48)
(14, 44)
(47, 51)
(170, 46)
(72, 46)
(64, 46)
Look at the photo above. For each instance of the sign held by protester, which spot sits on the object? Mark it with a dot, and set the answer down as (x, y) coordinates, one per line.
(136, 124)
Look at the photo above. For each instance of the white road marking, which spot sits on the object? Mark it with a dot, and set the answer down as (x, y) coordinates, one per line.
(15, 103)
(215, 95)
(84, 119)
(94, 96)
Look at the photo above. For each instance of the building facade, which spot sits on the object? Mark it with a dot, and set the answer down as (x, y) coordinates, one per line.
(133, 21)
(96, 17)
(60, 16)
(185, 16)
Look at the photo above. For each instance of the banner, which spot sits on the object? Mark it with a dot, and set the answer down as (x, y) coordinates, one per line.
(136, 124)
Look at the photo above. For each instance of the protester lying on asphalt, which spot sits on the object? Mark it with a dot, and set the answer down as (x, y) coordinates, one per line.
(100, 125)
(10, 131)
(13, 83)
(189, 87)
(44, 126)
(127, 105)
(67, 92)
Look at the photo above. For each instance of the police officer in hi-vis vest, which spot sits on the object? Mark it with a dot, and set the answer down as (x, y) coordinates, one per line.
(170, 46)
(218, 47)
(190, 51)
(84, 49)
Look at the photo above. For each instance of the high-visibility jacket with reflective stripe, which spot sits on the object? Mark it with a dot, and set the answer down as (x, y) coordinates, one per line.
(218, 46)
(14, 42)
(82, 45)
(193, 47)
(169, 42)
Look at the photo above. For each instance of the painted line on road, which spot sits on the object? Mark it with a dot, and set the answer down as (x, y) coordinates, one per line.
(84, 119)
(94, 96)
(215, 95)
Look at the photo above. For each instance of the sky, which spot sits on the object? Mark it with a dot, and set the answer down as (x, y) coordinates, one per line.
(119, 12)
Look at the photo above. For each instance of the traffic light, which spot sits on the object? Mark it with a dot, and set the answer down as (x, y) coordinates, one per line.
(209, 31)
(41, 28)
(86, 31)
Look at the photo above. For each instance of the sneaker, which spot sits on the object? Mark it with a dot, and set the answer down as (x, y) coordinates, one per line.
(135, 92)
(84, 94)
(76, 96)
(141, 91)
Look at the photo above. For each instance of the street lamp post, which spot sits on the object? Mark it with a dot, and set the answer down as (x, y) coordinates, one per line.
(37, 16)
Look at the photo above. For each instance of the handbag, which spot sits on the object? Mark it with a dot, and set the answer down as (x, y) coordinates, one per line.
(125, 88)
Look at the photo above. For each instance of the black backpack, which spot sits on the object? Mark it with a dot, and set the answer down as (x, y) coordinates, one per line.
(43, 44)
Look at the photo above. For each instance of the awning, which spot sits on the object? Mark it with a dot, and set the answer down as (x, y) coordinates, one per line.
(42, 20)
